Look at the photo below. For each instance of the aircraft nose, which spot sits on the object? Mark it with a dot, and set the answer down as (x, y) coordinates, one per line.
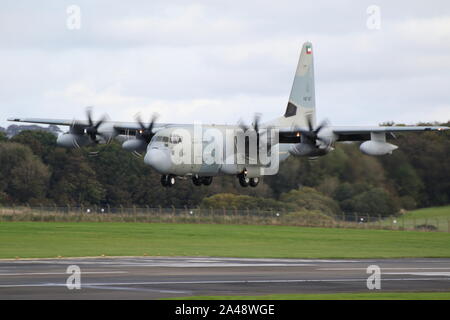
(158, 160)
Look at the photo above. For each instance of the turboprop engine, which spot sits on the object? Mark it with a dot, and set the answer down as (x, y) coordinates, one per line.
(72, 140)
(135, 145)
(83, 134)
(314, 142)
(143, 136)
(308, 150)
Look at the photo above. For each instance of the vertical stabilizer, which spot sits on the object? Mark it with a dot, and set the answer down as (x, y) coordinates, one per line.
(302, 100)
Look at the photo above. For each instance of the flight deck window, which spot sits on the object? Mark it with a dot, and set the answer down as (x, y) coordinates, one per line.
(175, 139)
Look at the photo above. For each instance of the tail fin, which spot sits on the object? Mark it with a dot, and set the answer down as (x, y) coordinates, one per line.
(302, 101)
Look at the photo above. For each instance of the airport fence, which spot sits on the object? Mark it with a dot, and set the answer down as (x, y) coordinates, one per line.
(220, 216)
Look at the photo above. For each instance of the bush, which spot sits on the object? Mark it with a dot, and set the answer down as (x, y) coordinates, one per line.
(309, 217)
(426, 227)
(309, 199)
(240, 202)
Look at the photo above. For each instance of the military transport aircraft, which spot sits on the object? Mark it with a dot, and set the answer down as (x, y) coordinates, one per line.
(201, 152)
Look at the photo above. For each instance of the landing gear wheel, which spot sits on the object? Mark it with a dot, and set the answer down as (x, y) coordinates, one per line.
(168, 180)
(171, 180)
(254, 182)
(196, 180)
(207, 180)
(243, 180)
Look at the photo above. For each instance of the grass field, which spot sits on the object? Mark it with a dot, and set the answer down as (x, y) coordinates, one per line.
(334, 296)
(429, 213)
(71, 239)
(437, 217)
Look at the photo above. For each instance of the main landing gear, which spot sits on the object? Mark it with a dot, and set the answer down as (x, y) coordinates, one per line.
(168, 180)
(245, 181)
(198, 181)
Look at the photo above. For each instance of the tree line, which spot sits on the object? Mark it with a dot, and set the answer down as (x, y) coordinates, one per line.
(35, 171)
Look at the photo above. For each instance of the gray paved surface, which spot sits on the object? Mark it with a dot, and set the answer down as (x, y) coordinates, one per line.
(158, 277)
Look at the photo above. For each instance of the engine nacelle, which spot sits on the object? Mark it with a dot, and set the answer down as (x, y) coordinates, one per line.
(327, 136)
(72, 140)
(307, 150)
(377, 148)
(137, 145)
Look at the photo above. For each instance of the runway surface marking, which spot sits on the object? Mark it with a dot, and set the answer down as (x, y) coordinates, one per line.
(352, 269)
(216, 282)
(159, 277)
(58, 273)
(426, 274)
(134, 289)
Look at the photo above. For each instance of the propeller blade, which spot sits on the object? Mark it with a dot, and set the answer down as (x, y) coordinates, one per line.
(309, 121)
(321, 125)
(98, 124)
(254, 125)
(146, 132)
(139, 121)
(152, 122)
(242, 125)
(256, 122)
(89, 116)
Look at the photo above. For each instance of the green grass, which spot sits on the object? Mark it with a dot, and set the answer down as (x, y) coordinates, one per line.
(438, 217)
(430, 213)
(71, 239)
(333, 296)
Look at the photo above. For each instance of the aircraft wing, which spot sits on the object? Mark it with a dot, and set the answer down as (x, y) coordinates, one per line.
(56, 122)
(121, 127)
(357, 133)
(287, 135)
(363, 133)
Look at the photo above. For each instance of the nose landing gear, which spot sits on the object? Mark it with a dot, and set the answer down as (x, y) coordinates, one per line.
(168, 180)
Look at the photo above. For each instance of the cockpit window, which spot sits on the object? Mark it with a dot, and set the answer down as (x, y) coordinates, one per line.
(175, 139)
(161, 138)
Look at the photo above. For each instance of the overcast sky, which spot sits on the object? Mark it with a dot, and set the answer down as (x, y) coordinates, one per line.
(219, 61)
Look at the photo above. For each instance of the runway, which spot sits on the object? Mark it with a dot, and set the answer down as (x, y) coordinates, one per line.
(162, 277)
